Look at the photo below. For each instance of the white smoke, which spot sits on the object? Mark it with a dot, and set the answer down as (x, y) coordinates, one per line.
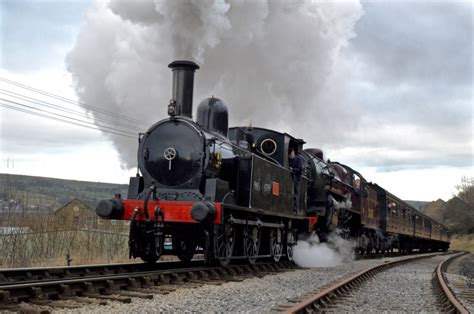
(342, 204)
(275, 63)
(312, 253)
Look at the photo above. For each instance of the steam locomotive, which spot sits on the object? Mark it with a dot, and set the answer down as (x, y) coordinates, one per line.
(227, 193)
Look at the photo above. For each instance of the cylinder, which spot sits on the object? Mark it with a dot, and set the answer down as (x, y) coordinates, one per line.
(183, 85)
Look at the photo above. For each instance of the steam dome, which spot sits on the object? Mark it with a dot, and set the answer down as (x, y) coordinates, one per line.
(212, 115)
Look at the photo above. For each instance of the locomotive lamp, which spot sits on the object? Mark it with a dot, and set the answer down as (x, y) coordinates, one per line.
(172, 108)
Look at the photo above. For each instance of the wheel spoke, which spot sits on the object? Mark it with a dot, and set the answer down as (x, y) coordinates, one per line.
(224, 243)
(276, 246)
(251, 243)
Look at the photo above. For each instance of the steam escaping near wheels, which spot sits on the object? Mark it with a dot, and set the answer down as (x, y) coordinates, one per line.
(311, 252)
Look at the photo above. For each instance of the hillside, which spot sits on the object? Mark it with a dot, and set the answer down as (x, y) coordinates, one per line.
(417, 204)
(42, 193)
(455, 214)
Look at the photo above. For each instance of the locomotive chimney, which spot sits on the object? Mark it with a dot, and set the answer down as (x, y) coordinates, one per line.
(183, 84)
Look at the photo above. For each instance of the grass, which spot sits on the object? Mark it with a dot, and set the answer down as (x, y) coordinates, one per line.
(463, 242)
(52, 248)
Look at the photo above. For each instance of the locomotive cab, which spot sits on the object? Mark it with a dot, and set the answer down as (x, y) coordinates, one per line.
(271, 183)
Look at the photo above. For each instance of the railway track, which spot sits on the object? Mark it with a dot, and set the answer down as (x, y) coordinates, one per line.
(401, 285)
(12, 276)
(74, 289)
(455, 295)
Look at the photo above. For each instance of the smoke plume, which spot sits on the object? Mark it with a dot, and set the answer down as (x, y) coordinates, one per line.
(275, 63)
(312, 253)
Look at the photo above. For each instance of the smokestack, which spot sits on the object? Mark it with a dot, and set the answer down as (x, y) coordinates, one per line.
(183, 85)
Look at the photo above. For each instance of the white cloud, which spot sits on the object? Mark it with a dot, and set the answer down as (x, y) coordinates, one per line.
(419, 184)
(38, 146)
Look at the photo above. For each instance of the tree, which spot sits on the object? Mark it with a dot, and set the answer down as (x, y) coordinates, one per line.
(466, 190)
(466, 193)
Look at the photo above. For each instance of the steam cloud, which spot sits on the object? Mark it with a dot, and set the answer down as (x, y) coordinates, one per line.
(275, 63)
(312, 253)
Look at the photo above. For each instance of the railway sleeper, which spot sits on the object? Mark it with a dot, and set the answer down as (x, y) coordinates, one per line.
(208, 282)
(323, 303)
(133, 283)
(84, 300)
(55, 303)
(232, 278)
(5, 296)
(136, 294)
(117, 298)
(154, 290)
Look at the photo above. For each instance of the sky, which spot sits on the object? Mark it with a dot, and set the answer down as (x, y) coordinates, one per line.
(385, 87)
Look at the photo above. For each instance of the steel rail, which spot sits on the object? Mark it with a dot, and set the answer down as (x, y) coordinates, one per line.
(119, 283)
(325, 297)
(450, 302)
(12, 276)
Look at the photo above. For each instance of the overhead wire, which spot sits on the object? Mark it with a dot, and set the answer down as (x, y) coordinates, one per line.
(17, 96)
(79, 104)
(103, 120)
(58, 118)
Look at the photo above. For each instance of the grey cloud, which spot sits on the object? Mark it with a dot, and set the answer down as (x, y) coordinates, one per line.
(418, 160)
(412, 66)
(416, 41)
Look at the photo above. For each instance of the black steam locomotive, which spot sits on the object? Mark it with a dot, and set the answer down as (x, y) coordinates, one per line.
(228, 192)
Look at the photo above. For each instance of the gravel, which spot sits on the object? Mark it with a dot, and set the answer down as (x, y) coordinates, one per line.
(467, 269)
(403, 288)
(253, 295)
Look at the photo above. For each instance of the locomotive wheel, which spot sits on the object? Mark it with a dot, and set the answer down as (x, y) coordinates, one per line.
(290, 243)
(276, 245)
(224, 240)
(184, 249)
(363, 244)
(251, 242)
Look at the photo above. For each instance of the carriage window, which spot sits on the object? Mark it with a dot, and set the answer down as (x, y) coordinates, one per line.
(268, 146)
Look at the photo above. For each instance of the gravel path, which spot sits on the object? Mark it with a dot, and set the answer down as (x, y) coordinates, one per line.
(254, 295)
(404, 288)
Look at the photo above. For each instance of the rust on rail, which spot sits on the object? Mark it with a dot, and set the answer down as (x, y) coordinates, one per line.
(310, 304)
(447, 291)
